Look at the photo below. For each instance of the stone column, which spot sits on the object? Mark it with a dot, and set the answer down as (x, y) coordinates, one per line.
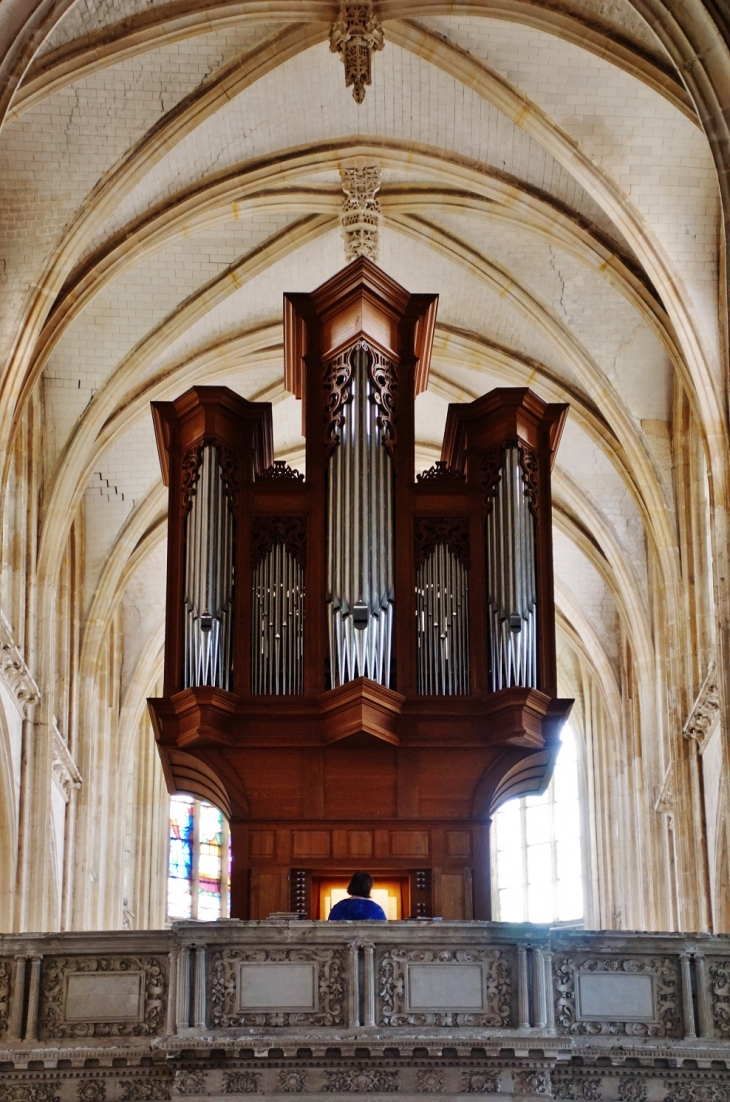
(200, 993)
(547, 960)
(704, 1008)
(688, 1010)
(538, 985)
(170, 1017)
(182, 1008)
(34, 997)
(354, 1001)
(15, 1024)
(523, 1008)
(369, 984)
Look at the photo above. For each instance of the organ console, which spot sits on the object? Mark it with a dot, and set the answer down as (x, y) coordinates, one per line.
(359, 663)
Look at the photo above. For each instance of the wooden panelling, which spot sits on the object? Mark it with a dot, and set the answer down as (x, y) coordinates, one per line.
(311, 843)
(409, 843)
(360, 843)
(458, 843)
(268, 893)
(261, 843)
(452, 894)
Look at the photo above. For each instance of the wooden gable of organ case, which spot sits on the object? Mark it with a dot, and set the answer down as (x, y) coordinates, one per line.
(359, 664)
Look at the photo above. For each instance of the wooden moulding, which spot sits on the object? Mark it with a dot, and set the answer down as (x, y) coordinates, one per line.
(360, 706)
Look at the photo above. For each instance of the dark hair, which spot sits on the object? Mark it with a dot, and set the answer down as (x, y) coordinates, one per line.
(360, 884)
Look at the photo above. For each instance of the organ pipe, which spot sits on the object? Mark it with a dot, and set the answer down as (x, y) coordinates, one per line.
(208, 593)
(511, 579)
(442, 618)
(278, 624)
(360, 535)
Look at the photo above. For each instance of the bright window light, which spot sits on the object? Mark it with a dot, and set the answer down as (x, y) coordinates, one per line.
(536, 849)
(198, 861)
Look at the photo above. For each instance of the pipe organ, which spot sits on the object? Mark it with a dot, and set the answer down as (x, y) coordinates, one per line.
(359, 663)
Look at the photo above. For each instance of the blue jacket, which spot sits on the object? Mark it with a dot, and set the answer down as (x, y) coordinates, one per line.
(354, 909)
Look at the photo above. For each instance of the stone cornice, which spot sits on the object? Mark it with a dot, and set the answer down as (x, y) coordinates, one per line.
(14, 671)
(705, 711)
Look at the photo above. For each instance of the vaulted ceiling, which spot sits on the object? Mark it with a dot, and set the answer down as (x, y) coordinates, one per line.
(168, 169)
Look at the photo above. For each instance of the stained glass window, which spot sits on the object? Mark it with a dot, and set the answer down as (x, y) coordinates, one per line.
(199, 861)
(536, 849)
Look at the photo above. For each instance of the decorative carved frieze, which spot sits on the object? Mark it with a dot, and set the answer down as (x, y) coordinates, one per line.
(397, 1005)
(330, 970)
(355, 36)
(576, 1087)
(189, 1082)
(6, 971)
(268, 531)
(429, 532)
(632, 1088)
(279, 471)
(361, 1081)
(190, 466)
(293, 1082)
(228, 463)
(241, 1082)
(29, 1092)
(719, 972)
(65, 773)
(430, 1081)
(697, 1092)
(533, 1082)
(661, 1019)
(705, 711)
(360, 217)
(110, 983)
(440, 472)
(91, 1090)
(144, 1090)
(14, 671)
(480, 1082)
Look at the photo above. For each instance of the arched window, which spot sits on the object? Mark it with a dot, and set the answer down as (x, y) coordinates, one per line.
(198, 862)
(536, 850)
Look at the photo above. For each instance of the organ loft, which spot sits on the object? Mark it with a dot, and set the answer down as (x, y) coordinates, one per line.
(359, 663)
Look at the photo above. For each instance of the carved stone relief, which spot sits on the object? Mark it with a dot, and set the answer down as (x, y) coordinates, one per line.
(57, 972)
(91, 1090)
(719, 972)
(577, 1087)
(65, 772)
(430, 1082)
(480, 1082)
(663, 973)
(190, 1082)
(496, 1002)
(360, 217)
(330, 995)
(144, 1090)
(533, 1082)
(697, 1092)
(632, 1088)
(293, 1082)
(705, 710)
(6, 971)
(361, 1081)
(14, 670)
(241, 1082)
(29, 1092)
(355, 36)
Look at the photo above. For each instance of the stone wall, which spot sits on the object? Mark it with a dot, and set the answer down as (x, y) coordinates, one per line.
(421, 1009)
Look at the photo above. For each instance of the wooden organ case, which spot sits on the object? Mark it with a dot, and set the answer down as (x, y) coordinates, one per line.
(359, 664)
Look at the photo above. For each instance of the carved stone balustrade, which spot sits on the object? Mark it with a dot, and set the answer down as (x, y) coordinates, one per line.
(420, 1008)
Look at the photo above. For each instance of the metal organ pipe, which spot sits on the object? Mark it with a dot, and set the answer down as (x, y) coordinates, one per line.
(360, 536)
(277, 624)
(442, 620)
(511, 579)
(208, 599)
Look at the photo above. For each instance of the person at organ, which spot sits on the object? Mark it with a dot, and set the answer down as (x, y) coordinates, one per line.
(358, 905)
